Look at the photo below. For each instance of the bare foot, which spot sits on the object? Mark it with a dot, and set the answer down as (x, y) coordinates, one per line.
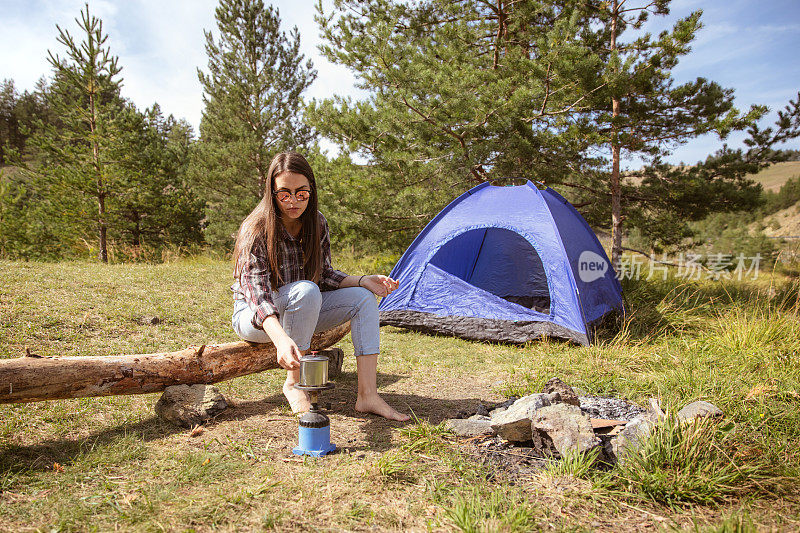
(375, 404)
(298, 400)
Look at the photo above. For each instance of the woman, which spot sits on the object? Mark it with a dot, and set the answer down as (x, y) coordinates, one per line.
(286, 289)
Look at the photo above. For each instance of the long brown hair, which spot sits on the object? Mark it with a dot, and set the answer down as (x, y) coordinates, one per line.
(261, 230)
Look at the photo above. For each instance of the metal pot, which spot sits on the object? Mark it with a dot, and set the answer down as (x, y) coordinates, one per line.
(314, 371)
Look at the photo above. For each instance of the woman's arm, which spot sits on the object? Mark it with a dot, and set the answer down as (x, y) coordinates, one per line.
(285, 347)
(377, 283)
(255, 284)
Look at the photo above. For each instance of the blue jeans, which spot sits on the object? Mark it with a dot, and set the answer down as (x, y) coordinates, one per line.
(304, 310)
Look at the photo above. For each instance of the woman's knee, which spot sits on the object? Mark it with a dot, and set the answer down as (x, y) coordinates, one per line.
(366, 300)
(304, 294)
(243, 327)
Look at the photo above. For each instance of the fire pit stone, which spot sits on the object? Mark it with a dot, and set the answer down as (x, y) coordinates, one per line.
(470, 427)
(560, 428)
(514, 423)
(699, 409)
(565, 392)
(635, 430)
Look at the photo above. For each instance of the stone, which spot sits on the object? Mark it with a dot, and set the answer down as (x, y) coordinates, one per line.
(190, 405)
(499, 408)
(631, 437)
(149, 321)
(470, 427)
(568, 396)
(496, 411)
(553, 397)
(482, 410)
(514, 423)
(655, 407)
(508, 403)
(610, 408)
(699, 409)
(560, 428)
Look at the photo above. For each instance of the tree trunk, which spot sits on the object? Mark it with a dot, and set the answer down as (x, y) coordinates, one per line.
(101, 200)
(137, 231)
(616, 208)
(501, 23)
(32, 378)
(616, 194)
(101, 193)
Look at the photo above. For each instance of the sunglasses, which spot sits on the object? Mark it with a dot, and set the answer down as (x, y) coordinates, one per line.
(301, 196)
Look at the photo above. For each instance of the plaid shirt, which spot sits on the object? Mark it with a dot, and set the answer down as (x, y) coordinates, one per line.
(254, 286)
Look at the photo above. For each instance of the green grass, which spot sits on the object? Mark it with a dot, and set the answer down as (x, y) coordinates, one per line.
(575, 464)
(692, 463)
(109, 463)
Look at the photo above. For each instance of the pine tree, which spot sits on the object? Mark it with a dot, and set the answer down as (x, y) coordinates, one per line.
(10, 136)
(460, 92)
(253, 106)
(84, 97)
(634, 108)
(152, 204)
(18, 115)
(669, 197)
(639, 109)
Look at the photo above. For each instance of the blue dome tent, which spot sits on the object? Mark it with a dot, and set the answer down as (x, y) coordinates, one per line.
(508, 264)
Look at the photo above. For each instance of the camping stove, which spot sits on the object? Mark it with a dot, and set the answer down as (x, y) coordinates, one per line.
(315, 426)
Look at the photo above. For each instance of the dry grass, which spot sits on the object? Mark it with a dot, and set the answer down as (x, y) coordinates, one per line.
(109, 463)
(772, 177)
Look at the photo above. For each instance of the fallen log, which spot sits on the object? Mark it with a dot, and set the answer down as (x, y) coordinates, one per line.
(33, 378)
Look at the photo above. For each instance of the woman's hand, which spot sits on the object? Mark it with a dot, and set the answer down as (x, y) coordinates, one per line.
(286, 349)
(378, 284)
(288, 353)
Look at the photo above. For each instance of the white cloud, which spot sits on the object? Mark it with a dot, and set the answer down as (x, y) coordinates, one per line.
(160, 45)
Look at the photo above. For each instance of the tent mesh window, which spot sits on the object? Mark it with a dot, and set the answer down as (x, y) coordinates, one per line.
(499, 261)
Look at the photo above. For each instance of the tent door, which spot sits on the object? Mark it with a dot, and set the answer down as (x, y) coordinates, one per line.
(499, 261)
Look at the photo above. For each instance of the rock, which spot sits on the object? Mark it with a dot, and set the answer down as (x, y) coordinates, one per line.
(699, 409)
(190, 405)
(482, 410)
(560, 428)
(568, 396)
(496, 411)
(508, 403)
(635, 431)
(610, 408)
(499, 408)
(655, 407)
(554, 397)
(514, 423)
(149, 320)
(479, 409)
(470, 427)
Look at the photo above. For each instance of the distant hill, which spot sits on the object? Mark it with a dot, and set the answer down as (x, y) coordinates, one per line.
(776, 175)
(784, 223)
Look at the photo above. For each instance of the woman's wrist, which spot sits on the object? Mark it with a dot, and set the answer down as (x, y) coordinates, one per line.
(359, 280)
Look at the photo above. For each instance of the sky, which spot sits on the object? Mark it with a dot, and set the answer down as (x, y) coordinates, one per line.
(751, 47)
